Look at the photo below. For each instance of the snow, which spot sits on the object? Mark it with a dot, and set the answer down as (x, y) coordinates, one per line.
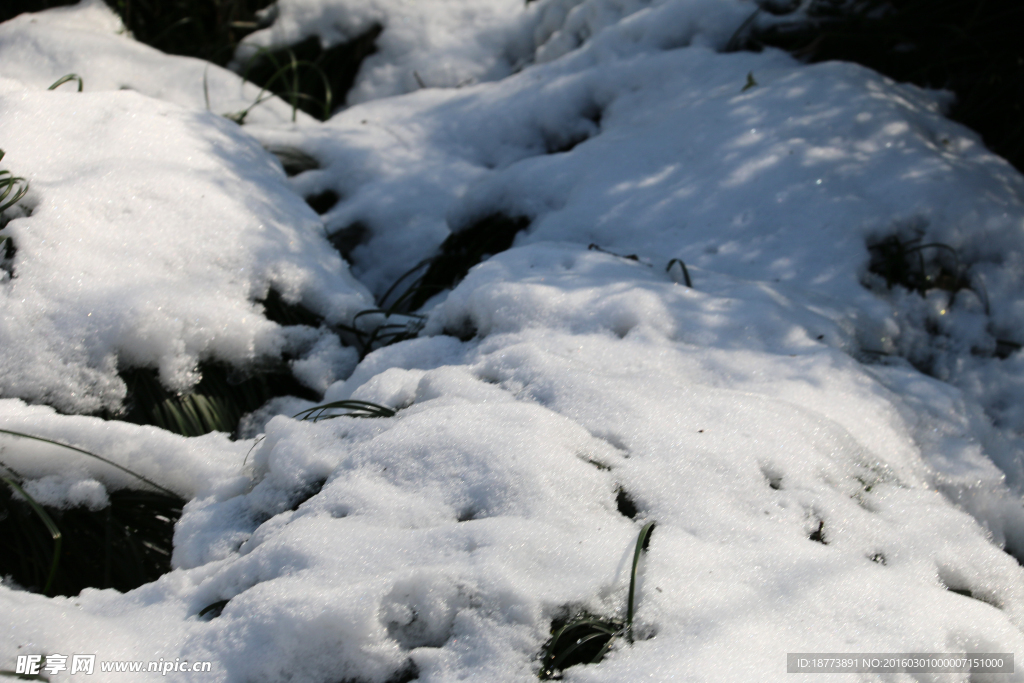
(222, 229)
(813, 489)
(89, 40)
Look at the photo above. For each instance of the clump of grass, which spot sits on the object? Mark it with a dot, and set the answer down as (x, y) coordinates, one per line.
(122, 546)
(379, 330)
(923, 267)
(286, 81)
(47, 521)
(387, 324)
(217, 403)
(310, 76)
(586, 638)
(902, 262)
(12, 187)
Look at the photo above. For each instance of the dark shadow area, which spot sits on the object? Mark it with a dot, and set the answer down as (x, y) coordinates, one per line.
(207, 29)
(277, 310)
(968, 593)
(625, 504)
(293, 160)
(314, 79)
(348, 238)
(323, 202)
(464, 249)
(216, 403)
(918, 266)
(818, 536)
(971, 47)
(122, 546)
(12, 8)
(308, 492)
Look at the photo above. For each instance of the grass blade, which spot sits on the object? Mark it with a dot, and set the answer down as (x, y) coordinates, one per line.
(357, 408)
(567, 645)
(91, 455)
(65, 79)
(50, 526)
(641, 541)
(8, 183)
(686, 273)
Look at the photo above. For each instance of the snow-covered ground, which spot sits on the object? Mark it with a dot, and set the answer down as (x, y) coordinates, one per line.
(814, 491)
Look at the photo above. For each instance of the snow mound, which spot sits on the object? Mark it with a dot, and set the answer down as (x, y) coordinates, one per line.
(451, 44)
(795, 511)
(814, 488)
(89, 40)
(89, 291)
(63, 477)
(436, 43)
(749, 165)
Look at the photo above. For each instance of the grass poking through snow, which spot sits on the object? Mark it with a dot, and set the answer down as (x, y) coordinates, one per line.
(355, 408)
(60, 551)
(585, 638)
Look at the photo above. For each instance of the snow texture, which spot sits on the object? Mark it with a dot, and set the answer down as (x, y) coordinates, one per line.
(834, 464)
(90, 292)
(89, 40)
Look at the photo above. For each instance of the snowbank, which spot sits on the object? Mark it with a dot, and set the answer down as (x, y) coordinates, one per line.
(152, 231)
(88, 39)
(814, 490)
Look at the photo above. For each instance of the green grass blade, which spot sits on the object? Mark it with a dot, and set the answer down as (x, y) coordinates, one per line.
(91, 455)
(686, 272)
(357, 409)
(50, 526)
(282, 72)
(206, 87)
(394, 285)
(640, 542)
(216, 608)
(66, 79)
(8, 184)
